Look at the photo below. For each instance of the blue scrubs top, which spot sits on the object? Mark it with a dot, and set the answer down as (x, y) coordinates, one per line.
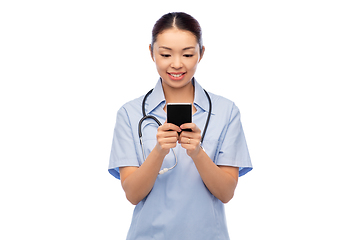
(179, 206)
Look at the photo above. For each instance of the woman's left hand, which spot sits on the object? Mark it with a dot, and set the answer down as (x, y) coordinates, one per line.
(190, 140)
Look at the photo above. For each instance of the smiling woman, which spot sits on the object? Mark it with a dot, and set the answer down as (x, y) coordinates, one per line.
(186, 202)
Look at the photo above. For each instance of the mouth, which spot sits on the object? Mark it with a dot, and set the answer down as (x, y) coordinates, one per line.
(176, 75)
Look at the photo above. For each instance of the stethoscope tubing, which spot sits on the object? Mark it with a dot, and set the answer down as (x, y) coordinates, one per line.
(145, 116)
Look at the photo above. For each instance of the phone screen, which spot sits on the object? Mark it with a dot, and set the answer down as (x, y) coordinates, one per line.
(179, 113)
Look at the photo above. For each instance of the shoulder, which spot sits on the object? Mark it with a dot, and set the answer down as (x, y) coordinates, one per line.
(133, 105)
(220, 99)
(222, 105)
(131, 109)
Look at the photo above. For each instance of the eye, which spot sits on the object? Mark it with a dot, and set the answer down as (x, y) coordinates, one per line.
(188, 55)
(165, 55)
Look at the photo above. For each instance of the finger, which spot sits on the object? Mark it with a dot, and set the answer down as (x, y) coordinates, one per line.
(191, 135)
(191, 126)
(169, 127)
(185, 140)
(169, 140)
(167, 134)
(189, 141)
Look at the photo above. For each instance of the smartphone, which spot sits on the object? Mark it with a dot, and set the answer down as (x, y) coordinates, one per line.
(179, 113)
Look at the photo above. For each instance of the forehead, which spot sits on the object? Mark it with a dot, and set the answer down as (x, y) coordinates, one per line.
(176, 39)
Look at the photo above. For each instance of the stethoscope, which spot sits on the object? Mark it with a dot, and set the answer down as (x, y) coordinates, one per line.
(145, 116)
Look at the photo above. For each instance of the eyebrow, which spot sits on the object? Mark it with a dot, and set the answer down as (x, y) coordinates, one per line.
(187, 48)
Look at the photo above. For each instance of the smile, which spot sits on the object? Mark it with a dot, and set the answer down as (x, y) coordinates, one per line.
(176, 75)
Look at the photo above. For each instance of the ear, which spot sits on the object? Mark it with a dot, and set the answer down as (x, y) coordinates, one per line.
(202, 53)
(151, 53)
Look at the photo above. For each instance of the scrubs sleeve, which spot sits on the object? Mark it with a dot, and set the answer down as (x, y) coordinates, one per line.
(233, 150)
(123, 152)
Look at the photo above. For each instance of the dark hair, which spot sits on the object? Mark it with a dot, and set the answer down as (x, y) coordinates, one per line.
(179, 20)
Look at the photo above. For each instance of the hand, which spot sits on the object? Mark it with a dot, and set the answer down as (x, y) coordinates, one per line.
(190, 140)
(167, 136)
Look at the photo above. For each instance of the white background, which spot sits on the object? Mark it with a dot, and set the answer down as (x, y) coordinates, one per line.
(292, 67)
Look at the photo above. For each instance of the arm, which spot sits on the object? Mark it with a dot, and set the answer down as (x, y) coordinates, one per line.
(137, 182)
(220, 180)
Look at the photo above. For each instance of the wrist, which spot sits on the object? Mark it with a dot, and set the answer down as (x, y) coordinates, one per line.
(161, 152)
(196, 154)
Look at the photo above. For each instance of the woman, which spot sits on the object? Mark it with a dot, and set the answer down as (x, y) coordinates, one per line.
(186, 202)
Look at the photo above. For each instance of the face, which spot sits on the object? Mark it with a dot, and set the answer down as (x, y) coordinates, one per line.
(176, 54)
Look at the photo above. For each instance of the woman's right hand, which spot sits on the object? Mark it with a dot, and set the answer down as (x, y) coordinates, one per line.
(137, 182)
(167, 137)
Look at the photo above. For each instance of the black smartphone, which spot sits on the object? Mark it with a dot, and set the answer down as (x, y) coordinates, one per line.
(179, 113)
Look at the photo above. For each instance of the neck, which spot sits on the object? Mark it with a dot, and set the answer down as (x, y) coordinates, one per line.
(179, 95)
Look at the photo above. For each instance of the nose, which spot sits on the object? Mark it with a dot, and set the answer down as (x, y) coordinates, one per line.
(176, 64)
